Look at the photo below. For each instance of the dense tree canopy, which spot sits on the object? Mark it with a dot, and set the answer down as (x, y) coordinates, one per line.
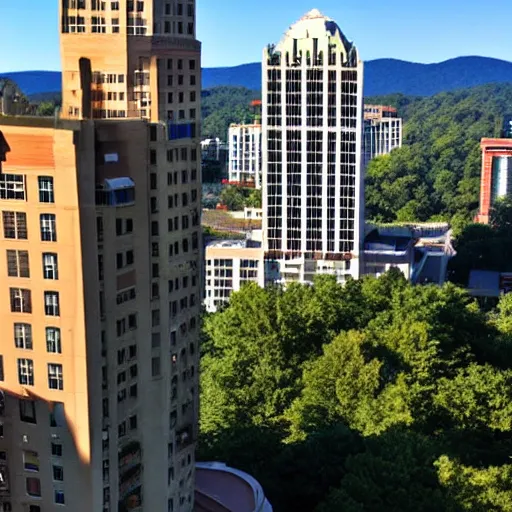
(224, 105)
(374, 396)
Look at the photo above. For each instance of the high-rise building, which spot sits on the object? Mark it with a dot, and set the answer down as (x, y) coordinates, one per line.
(100, 260)
(313, 196)
(382, 131)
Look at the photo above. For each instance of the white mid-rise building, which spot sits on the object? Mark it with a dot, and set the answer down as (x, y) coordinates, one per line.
(313, 197)
(245, 154)
(382, 131)
(229, 265)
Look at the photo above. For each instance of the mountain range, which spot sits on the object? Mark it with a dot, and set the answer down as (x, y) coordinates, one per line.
(382, 76)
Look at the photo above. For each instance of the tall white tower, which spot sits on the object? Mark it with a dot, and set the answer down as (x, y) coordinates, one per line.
(313, 196)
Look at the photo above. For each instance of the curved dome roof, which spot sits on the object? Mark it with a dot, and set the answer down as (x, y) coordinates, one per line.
(315, 24)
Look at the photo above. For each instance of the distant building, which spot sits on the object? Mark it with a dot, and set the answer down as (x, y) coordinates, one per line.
(496, 176)
(313, 196)
(382, 131)
(245, 154)
(230, 264)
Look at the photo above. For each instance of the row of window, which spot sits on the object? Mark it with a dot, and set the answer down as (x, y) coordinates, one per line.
(26, 374)
(18, 264)
(12, 186)
(21, 301)
(192, 81)
(23, 338)
(15, 226)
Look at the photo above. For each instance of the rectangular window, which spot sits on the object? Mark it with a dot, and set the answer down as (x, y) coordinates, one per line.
(46, 193)
(21, 300)
(155, 367)
(28, 411)
(56, 450)
(23, 336)
(26, 372)
(55, 378)
(51, 304)
(15, 225)
(58, 473)
(50, 266)
(12, 186)
(59, 497)
(53, 343)
(48, 227)
(17, 264)
(34, 487)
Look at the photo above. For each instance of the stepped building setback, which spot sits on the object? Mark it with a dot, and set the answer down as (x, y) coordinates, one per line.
(313, 197)
(100, 262)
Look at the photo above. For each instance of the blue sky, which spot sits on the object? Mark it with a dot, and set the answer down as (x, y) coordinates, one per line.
(234, 32)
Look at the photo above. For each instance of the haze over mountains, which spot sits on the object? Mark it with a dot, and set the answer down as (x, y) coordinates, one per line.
(382, 76)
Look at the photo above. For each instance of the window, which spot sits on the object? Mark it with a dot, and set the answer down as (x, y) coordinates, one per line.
(48, 227)
(132, 321)
(55, 378)
(26, 372)
(18, 264)
(129, 257)
(51, 304)
(58, 473)
(15, 225)
(119, 260)
(59, 497)
(56, 450)
(46, 193)
(34, 487)
(155, 367)
(12, 186)
(155, 317)
(23, 336)
(50, 266)
(191, 62)
(21, 300)
(53, 343)
(133, 422)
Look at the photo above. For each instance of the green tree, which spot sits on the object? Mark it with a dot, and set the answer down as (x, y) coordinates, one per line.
(233, 198)
(476, 489)
(254, 199)
(46, 108)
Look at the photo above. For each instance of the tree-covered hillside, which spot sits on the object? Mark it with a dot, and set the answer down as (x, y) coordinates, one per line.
(222, 106)
(376, 396)
(437, 172)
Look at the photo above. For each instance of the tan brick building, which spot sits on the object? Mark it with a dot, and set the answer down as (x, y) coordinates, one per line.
(100, 264)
